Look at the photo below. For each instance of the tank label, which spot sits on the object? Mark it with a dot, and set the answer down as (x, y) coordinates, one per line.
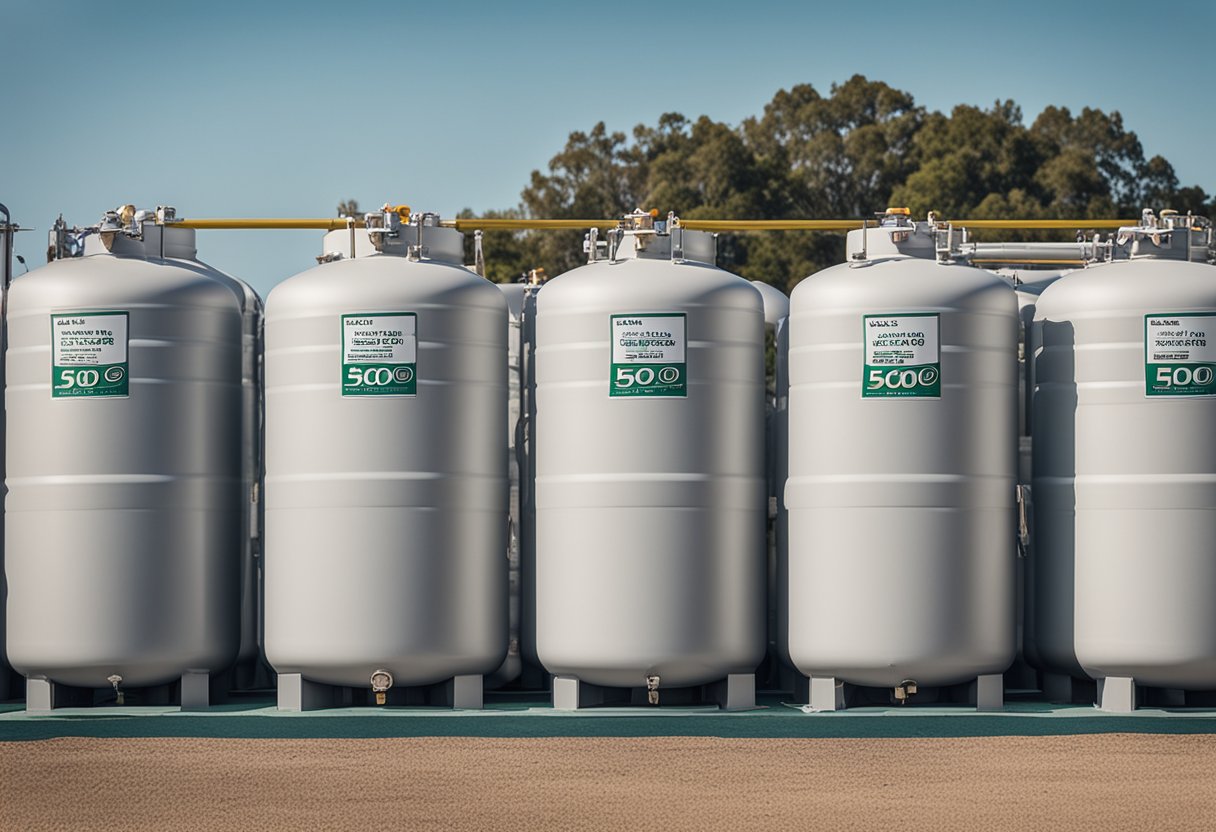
(903, 356)
(89, 355)
(1180, 354)
(380, 354)
(648, 356)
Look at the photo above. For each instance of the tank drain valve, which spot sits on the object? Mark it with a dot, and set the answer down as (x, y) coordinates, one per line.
(116, 680)
(903, 690)
(382, 680)
(652, 689)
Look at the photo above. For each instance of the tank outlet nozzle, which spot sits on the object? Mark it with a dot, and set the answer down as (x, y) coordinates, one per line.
(382, 680)
(115, 681)
(904, 690)
(652, 689)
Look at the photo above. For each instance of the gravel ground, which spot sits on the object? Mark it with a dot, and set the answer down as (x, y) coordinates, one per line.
(1107, 782)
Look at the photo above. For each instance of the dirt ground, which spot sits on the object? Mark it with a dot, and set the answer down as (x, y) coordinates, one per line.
(1106, 782)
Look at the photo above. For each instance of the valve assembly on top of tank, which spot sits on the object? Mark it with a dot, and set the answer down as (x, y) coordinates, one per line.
(1171, 235)
(385, 229)
(66, 241)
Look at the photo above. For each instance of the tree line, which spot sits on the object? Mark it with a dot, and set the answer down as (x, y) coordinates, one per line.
(861, 148)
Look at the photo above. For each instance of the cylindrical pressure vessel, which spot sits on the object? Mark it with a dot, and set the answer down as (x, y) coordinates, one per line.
(776, 344)
(125, 503)
(512, 665)
(650, 553)
(1125, 470)
(386, 479)
(903, 400)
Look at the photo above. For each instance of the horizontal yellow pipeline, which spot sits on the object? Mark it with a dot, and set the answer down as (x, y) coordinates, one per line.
(774, 225)
(1040, 225)
(512, 224)
(335, 224)
(318, 224)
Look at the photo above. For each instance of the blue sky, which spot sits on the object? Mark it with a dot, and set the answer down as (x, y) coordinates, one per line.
(283, 109)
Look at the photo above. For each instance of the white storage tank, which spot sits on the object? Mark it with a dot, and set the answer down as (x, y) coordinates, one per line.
(386, 479)
(903, 399)
(650, 553)
(125, 504)
(7, 230)
(1125, 465)
(512, 666)
(776, 313)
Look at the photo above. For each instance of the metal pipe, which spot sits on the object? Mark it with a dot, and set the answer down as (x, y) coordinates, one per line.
(1042, 225)
(1023, 261)
(6, 267)
(1045, 254)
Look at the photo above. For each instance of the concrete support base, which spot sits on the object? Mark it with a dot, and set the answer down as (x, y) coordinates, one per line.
(737, 692)
(989, 692)
(298, 694)
(825, 693)
(1117, 694)
(466, 692)
(566, 690)
(196, 690)
(39, 696)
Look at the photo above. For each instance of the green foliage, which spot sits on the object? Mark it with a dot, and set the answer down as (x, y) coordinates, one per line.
(858, 150)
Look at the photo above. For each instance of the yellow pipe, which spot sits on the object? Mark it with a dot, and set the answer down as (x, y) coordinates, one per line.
(511, 224)
(774, 225)
(318, 224)
(1043, 224)
(692, 225)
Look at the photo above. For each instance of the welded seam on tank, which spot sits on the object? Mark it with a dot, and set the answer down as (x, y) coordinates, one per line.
(644, 477)
(381, 475)
(126, 479)
(918, 479)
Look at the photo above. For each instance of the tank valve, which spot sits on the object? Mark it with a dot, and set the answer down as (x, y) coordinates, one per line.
(382, 680)
(652, 689)
(116, 680)
(903, 690)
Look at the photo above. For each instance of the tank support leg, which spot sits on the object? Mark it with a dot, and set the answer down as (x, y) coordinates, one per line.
(1058, 687)
(196, 690)
(990, 692)
(565, 693)
(737, 692)
(39, 695)
(467, 692)
(298, 694)
(826, 694)
(1117, 694)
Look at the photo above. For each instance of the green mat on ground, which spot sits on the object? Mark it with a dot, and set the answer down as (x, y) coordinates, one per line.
(774, 719)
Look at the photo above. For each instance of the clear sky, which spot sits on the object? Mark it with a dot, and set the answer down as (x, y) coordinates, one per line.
(267, 109)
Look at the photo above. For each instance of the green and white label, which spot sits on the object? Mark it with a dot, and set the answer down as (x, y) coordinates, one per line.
(1180, 354)
(648, 356)
(89, 352)
(902, 356)
(380, 354)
